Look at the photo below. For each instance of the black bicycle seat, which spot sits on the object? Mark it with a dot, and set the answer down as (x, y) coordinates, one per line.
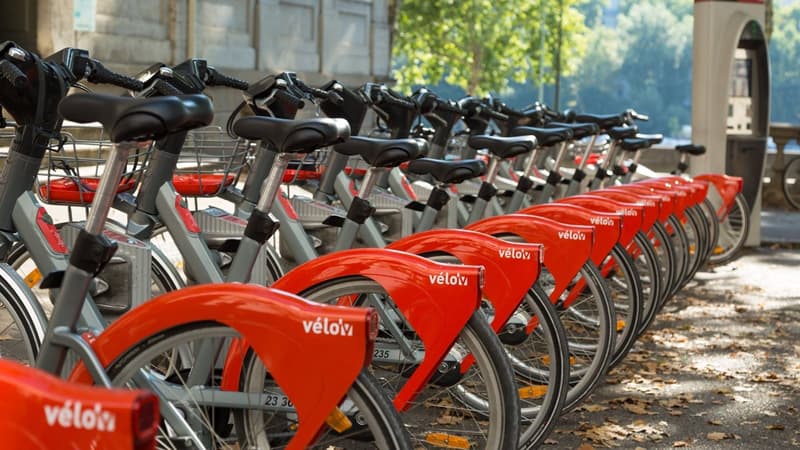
(579, 130)
(604, 121)
(138, 119)
(635, 144)
(691, 149)
(293, 136)
(448, 172)
(503, 147)
(622, 132)
(653, 138)
(544, 136)
(382, 152)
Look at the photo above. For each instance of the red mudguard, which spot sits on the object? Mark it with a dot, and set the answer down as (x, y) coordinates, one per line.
(727, 187)
(666, 202)
(650, 203)
(422, 290)
(631, 213)
(566, 247)
(607, 225)
(43, 412)
(278, 326)
(504, 288)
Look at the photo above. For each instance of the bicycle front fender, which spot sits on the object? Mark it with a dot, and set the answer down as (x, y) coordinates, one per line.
(504, 288)
(666, 203)
(607, 225)
(422, 290)
(649, 204)
(727, 186)
(566, 247)
(278, 326)
(631, 213)
(82, 416)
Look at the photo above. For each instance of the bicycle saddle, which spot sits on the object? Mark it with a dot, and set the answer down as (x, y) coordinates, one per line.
(448, 172)
(138, 119)
(579, 130)
(634, 144)
(382, 152)
(622, 132)
(604, 121)
(503, 147)
(652, 138)
(293, 136)
(691, 149)
(545, 136)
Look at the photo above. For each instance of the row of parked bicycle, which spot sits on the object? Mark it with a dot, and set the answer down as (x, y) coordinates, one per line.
(501, 285)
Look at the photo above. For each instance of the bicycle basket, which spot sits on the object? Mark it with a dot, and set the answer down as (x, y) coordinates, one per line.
(71, 169)
(210, 161)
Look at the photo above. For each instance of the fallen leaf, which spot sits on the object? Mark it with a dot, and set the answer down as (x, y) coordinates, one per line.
(680, 444)
(585, 447)
(776, 427)
(717, 436)
(714, 422)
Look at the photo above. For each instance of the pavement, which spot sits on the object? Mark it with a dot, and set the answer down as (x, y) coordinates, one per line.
(720, 367)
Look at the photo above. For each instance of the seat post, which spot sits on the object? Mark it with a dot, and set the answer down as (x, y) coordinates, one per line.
(269, 189)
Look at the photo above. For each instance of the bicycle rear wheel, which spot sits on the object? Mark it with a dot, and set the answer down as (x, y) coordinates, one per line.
(791, 183)
(475, 409)
(170, 360)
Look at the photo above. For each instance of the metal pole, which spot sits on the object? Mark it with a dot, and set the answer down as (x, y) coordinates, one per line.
(558, 52)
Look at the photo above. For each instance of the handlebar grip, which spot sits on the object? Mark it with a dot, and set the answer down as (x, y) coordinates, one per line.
(11, 72)
(219, 79)
(496, 115)
(287, 97)
(102, 75)
(165, 88)
(392, 100)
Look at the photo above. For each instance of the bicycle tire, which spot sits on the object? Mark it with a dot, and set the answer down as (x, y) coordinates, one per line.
(162, 350)
(790, 183)
(668, 257)
(540, 359)
(650, 273)
(498, 405)
(626, 294)
(680, 244)
(22, 322)
(589, 325)
(538, 421)
(713, 226)
(734, 228)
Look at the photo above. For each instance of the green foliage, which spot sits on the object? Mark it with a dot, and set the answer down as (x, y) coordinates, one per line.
(784, 55)
(482, 45)
(645, 64)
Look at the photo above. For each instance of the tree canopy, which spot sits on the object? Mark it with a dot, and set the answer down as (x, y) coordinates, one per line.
(483, 45)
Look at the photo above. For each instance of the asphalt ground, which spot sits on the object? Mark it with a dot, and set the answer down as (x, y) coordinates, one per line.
(719, 368)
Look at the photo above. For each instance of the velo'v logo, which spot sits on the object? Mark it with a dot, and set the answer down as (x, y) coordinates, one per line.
(73, 415)
(326, 327)
(449, 279)
(511, 253)
(601, 220)
(572, 235)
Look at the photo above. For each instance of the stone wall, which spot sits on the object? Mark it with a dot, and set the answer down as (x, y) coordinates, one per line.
(320, 39)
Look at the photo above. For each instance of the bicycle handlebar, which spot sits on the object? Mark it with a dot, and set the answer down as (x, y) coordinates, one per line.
(216, 78)
(99, 74)
(166, 88)
(637, 116)
(329, 95)
(11, 72)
